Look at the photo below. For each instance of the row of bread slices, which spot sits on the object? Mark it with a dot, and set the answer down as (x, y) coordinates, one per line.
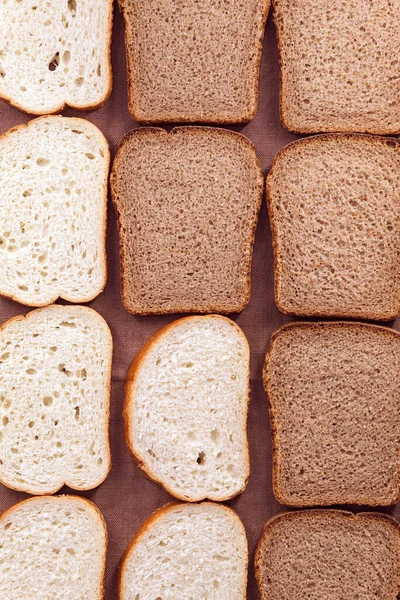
(55, 547)
(199, 61)
(187, 204)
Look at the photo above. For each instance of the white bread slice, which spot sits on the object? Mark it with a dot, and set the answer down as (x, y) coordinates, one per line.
(187, 551)
(186, 404)
(53, 211)
(54, 54)
(55, 371)
(52, 548)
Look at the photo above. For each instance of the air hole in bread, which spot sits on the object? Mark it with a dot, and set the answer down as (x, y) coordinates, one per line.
(55, 61)
(77, 412)
(201, 459)
(90, 155)
(47, 400)
(79, 81)
(5, 421)
(66, 57)
(42, 162)
(215, 435)
(72, 7)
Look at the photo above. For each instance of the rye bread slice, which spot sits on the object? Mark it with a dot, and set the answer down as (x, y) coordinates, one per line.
(191, 61)
(340, 68)
(335, 413)
(187, 205)
(329, 555)
(334, 207)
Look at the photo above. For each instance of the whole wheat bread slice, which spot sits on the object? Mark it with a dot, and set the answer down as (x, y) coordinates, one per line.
(194, 61)
(329, 555)
(340, 68)
(187, 205)
(187, 551)
(334, 207)
(335, 413)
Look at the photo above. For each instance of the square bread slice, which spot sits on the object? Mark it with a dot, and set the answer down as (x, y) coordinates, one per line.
(334, 401)
(187, 551)
(191, 61)
(329, 555)
(55, 374)
(53, 211)
(52, 548)
(186, 401)
(334, 207)
(340, 67)
(54, 54)
(187, 205)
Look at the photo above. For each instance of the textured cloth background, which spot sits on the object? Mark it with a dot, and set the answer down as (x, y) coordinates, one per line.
(127, 498)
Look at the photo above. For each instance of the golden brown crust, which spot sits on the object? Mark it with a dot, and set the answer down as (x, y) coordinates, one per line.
(211, 308)
(185, 118)
(57, 488)
(279, 300)
(128, 409)
(273, 413)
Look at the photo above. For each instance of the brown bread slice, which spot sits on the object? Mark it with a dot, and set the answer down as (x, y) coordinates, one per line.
(334, 208)
(329, 555)
(191, 61)
(340, 68)
(335, 413)
(187, 204)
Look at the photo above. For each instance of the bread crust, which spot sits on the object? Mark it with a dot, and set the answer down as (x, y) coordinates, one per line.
(103, 258)
(192, 118)
(273, 219)
(67, 498)
(147, 525)
(128, 409)
(273, 413)
(92, 312)
(290, 516)
(85, 107)
(211, 308)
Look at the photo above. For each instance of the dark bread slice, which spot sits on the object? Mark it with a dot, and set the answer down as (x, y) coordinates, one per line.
(187, 205)
(191, 61)
(335, 413)
(329, 555)
(334, 208)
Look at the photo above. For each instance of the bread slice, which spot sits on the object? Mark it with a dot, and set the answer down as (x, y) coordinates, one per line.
(187, 204)
(52, 547)
(329, 555)
(187, 551)
(334, 406)
(55, 372)
(339, 65)
(194, 61)
(53, 211)
(186, 400)
(334, 208)
(54, 54)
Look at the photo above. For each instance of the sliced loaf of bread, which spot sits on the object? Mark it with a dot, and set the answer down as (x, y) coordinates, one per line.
(334, 208)
(185, 411)
(192, 61)
(55, 372)
(53, 211)
(187, 551)
(329, 555)
(340, 69)
(335, 412)
(54, 54)
(187, 205)
(52, 548)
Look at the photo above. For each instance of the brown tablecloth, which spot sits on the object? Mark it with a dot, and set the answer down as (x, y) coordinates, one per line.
(127, 498)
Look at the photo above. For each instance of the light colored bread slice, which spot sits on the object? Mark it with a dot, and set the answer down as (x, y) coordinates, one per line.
(339, 65)
(194, 551)
(54, 54)
(194, 61)
(329, 555)
(187, 204)
(52, 548)
(334, 208)
(53, 211)
(185, 411)
(55, 373)
(335, 413)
